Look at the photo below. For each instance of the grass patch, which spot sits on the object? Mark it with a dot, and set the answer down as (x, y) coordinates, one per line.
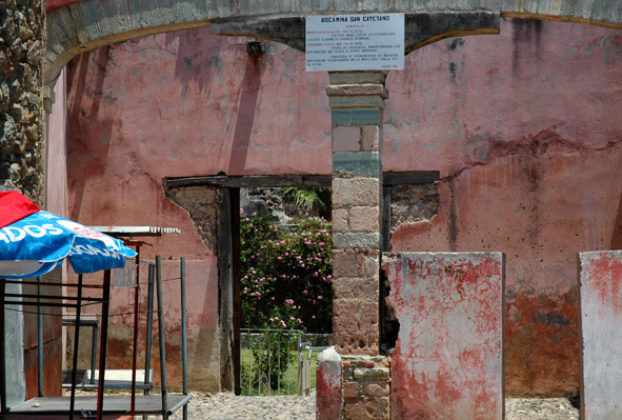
(289, 379)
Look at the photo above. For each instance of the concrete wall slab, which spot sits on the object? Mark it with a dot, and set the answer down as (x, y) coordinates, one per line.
(448, 360)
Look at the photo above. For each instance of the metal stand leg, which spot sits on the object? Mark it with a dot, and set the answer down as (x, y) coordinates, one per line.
(94, 351)
(39, 338)
(161, 338)
(135, 347)
(74, 369)
(149, 328)
(103, 345)
(184, 335)
(3, 404)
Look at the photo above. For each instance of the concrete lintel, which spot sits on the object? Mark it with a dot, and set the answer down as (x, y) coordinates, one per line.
(374, 101)
(366, 89)
(358, 77)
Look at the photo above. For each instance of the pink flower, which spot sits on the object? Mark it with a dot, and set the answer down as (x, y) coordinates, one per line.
(283, 324)
(319, 297)
(305, 291)
(279, 258)
(290, 301)
(312, 316)
(246, 289)
(322, 244)
(272, 298)
(247, 219)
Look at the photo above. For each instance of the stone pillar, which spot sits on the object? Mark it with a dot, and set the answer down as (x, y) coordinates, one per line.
(357, 102)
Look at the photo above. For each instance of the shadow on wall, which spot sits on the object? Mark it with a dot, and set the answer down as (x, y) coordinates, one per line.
(88, 63)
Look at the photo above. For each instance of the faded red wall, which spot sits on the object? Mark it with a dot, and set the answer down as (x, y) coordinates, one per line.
(523, 126)
(55, 4)
(526, 132)
(184, 104)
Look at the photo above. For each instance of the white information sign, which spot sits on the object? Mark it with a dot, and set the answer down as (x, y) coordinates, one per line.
(355, 42)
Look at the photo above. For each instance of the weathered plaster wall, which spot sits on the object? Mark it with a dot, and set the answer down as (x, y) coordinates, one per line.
(523, 127)
(185, 104)
(525, 132)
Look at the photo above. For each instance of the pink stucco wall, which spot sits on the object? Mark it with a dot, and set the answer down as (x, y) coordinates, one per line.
(523, 126)
(185, 104)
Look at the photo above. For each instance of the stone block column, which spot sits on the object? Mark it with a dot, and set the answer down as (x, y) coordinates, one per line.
(357, 102)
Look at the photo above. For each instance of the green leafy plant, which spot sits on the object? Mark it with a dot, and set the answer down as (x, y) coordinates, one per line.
(308, 200)
(285, 285)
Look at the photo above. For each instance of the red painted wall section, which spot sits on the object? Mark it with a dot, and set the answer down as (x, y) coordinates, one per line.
(55, 4)
(185, 104)
(447, 363)
(522, 128)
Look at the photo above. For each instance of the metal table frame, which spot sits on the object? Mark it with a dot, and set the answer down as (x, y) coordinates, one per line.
(76, 302)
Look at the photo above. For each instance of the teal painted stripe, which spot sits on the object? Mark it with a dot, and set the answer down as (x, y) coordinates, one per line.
(364, 164)
(356, 116)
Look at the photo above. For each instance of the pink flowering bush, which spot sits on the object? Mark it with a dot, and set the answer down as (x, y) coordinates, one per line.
(286, 276)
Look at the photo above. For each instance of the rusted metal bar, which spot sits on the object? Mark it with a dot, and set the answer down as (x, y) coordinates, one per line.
(76, 342)
(47, 283)
(135, 347)
(161, 338)
(103, 345)
(151, 275)
(184, 333)
(39, 340)
(2, 350)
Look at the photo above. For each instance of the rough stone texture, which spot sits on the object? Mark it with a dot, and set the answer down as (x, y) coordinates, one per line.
(601, 316)
(355, 191)
(365, 219)
(200, 203)
(413, 203)
(346, 139)
(368, 379)
(448, 360)
(21, 121)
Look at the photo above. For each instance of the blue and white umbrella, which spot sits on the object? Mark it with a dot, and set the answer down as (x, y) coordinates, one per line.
(40, 241)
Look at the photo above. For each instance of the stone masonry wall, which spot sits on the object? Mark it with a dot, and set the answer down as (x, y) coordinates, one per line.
(21, 125)
(357, 103)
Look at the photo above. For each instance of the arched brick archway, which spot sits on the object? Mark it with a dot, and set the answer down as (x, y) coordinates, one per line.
(76, 26)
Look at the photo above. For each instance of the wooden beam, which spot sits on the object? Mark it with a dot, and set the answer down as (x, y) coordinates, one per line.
(255, 181)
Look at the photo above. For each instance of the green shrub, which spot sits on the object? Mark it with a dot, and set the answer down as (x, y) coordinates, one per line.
(286, 276)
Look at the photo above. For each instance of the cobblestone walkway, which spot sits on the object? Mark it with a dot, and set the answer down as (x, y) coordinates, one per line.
(230, 407)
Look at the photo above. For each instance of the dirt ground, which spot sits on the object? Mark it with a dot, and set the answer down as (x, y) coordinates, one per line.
(230, 407)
